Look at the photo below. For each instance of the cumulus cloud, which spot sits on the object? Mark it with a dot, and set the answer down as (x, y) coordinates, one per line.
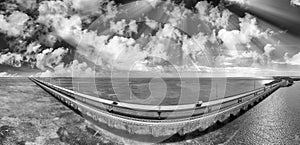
(120, 51)
(49, 8)
(154, 3)
(151, 23)
(86, 6)
(75, 69)
(48, 39)
(195, 45)
(248, 31)
(133, 27)
(295, 2)
(244, 59)
(14, 24)
(177, 15)
(50, 58)
(54, 13)
(128, 44)
(33, 48)
(219, 18)
(27, 4)
(95, 48)
(239, 1)
(213, 15)
(294, 60)
(11, 59)
(202, 8)
(268, 50)
(237, 49)
(118, 27)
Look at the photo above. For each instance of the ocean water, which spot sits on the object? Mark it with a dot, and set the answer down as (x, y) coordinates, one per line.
(274, 121)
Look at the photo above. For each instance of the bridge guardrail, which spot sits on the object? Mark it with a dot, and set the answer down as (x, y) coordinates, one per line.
(159, 109)
(142, 124)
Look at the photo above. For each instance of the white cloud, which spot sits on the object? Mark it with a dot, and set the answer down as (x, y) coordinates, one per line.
(48, 39)
(248, 31)
(118, 52)
(11, 59)
(133, 27)
(54, 14)
(151, 23)
(268, 50)
(219, 19)
(230, 39)
(33, 47)
(85, 6)
(111, 12)
(5, 74)
(239, 1)
(244, 59)
(154, 3)
(125, 53)
(195, 45)
(53, 8)
(121, 27)
(96, 49)
(295, 2)
(177, 15)
(168, 31)
(213, 15)
(75, 69)
(294, 60)
(14, 24)
(50, 58)
(118, 27)
(202, 8)
(28, 4)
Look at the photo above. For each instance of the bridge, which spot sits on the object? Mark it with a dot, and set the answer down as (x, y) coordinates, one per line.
(129, 120)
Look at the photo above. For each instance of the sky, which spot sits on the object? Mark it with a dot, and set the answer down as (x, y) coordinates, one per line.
(99, 38)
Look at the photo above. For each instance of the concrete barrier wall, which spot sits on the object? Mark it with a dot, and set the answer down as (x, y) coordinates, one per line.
(204, 117)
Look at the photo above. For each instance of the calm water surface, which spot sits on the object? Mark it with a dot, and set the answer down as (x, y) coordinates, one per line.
(276, 120)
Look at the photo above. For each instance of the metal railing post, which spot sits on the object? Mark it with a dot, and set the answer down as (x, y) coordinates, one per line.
(217, 90)
(78, 86)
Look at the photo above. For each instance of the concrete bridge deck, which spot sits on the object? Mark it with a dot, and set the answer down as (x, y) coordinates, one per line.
(156, 121)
